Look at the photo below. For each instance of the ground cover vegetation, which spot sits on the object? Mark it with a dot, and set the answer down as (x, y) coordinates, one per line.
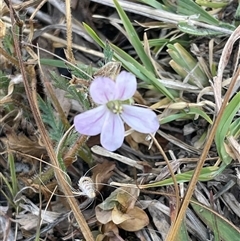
(119, 120)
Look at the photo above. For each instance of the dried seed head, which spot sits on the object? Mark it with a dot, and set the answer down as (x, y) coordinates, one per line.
(86, 185)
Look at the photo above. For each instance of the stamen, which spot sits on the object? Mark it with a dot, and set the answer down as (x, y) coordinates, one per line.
(115, 106)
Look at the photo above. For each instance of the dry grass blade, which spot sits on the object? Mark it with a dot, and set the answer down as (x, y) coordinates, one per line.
(175, 226)
(217, 81)
(58, 184)
(69, 53)
(160, 15)
(31, 95)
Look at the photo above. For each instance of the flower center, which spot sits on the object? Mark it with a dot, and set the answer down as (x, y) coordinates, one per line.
(115, 106)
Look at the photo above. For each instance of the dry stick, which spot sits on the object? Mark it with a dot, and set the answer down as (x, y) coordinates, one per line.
(31, 92)
(70, 56)
(58, 57)
(9, 57)
(37, 9)
(217, 83)
(172, 174)
(52, 95)
(31, 34)
(175, 227)
(77, 145)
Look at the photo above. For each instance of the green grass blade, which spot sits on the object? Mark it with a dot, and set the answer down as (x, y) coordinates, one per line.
(93, 35)
(185, 65)
(199, 111)
(162, 42)
(235, 128)
(2, 177)
(224, 127)
(53, 62)
(127, 61)
(134, 39)
(139, 70)
(186, 115)
(177, 116)
(217, 223)
(131, 64)
(14, 182)
(212, 4)
(206, 174)
(154, 4)
(182, 233)
(189, 7)
(197, 31)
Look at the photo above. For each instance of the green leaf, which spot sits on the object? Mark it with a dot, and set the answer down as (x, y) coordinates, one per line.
(223, 128)
(154, 4)
(56, 128)
(72, 92)
(14, 181)
(212, 4)
(182, 233)
(131, 64)
(4, 81)
(189, 7)
(199, 111)
(53, 62)
(184, 63)
(235, 128)
(206, 174)
(187, 115)
(141, 72)
(108, 53)
(197, 31)
(177, 116)
(159, 42)
(225, 29)
(218, 224)
(134, 39)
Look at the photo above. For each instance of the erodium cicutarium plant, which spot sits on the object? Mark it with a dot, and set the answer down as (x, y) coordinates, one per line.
(114, 108)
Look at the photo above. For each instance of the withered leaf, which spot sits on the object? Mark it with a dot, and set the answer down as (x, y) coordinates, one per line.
(22, 143)
(101, 173)
(137, 219)
(127, 196)
(103, 216)
(118, 216)
(111, 70)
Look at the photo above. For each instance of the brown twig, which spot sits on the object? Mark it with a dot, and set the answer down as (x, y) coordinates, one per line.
(9, 57)
(31, 95)
(69, 54)
(171, 172)
(217, 84)
(173, 232)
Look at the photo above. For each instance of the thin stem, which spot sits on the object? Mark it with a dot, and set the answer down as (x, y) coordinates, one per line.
(31, 96)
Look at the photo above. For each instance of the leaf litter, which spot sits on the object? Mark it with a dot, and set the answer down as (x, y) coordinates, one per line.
(57, 184)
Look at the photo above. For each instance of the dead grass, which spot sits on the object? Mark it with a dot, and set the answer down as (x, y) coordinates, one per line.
(42, 159)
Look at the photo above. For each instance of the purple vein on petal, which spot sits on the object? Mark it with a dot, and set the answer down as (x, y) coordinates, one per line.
(126, 85)
(102, 90)
(112, 134)
(91, 121)
(140, 119)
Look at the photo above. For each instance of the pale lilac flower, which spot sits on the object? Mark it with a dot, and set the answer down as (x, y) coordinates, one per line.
(114, 100)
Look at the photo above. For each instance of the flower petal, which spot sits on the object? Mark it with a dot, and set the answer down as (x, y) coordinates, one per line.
(140, 119)
(126, 85)
(102, 90)
(112, 134)
(91, 121)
